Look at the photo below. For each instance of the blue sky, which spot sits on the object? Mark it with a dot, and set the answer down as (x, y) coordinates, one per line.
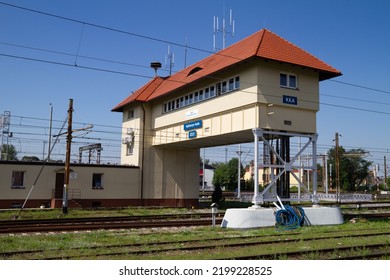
(352, 36)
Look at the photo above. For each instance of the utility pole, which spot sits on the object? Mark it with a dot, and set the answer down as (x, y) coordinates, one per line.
(204, 171)
(337, 168)
(67, 159)
(50, 127)
(325, 173)
(385, 171)
(239, 172)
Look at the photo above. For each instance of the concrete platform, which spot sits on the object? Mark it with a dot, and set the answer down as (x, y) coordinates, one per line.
(257, 217)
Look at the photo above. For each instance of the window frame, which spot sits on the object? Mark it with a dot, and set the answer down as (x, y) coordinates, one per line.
(287, 77)
(129, 150)
(214, 90)
(20, 179)
(96, 186)
(130, 114)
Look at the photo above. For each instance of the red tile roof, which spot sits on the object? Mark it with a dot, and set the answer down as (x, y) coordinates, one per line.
(263, 44)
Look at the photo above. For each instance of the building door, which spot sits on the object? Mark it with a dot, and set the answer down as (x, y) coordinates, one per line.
(59, 187)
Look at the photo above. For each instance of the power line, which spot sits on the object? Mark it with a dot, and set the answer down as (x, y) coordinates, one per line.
(145, 37)
(107, 28)
(360, 86)
(73, 55)
(75, 66)
(165, 41)
(186, 46)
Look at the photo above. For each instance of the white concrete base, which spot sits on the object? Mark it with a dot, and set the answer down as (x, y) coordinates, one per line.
(318, 216)
(256, 217)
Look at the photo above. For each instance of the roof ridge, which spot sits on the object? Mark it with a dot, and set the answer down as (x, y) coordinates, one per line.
(261, 39)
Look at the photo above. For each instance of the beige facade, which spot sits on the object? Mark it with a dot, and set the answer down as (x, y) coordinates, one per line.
(258, 102)
(169, 159)
(264, 177)
(229, 117)
(90, 185)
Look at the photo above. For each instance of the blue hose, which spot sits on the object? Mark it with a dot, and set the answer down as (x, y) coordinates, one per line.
(290, 218)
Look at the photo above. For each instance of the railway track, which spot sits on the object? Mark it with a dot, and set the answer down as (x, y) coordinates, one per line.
(78, 224)
(372, 251)
(196, 247)
(126, 222)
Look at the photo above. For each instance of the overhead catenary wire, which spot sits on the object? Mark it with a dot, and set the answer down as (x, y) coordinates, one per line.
(186, 46)
(147, 76)
(164, 41)
(115, 143)
(151, 38)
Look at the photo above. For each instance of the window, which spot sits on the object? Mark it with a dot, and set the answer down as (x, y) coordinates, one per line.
(17, 179)
(130, 114)
(289, 81)
(196, 99)
(207, 93)
(292, 81)
(97, 181)
(237, 83)
(222, 87)
(231, 84)
(212, 91)
(219, 88)
(201, 95)
(129, 150)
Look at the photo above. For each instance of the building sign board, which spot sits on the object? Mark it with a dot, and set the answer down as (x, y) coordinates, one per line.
(192, 114)
(193, 125)
(192, 134)
(293, 100)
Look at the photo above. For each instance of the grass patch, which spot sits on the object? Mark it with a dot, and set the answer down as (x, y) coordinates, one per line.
(29, 214)
(82, 243)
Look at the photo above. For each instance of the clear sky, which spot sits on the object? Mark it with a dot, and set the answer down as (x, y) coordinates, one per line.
(119, 39)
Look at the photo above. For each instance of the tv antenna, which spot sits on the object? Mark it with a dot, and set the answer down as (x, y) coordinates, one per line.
(169, 60)
(224, 29)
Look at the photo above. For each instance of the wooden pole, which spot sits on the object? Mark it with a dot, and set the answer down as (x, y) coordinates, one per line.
(67, 159)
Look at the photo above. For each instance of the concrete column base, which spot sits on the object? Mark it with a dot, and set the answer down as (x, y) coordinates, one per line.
(255, 217)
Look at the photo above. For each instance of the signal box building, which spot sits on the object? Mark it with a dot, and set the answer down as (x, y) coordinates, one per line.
(262, 82)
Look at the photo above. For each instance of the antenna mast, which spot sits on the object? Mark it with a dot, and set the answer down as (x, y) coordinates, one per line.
(169, 60)
(223, 29)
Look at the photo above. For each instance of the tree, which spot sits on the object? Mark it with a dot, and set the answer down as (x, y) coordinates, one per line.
(353, 167)
(8, 152)
(30, 158)
(225, 175)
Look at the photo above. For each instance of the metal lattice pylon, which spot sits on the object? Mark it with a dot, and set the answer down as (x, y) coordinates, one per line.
(5, 133)
(282, 165)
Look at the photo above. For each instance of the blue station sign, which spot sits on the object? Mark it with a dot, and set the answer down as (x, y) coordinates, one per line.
(192, 134)
(193, 125)
(293, 100)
